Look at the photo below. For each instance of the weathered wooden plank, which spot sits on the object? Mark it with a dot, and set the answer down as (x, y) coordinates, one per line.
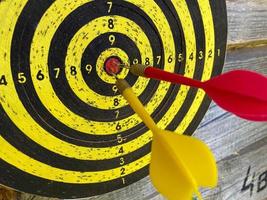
(6, 194)
(246, 20)
(243, 175)
(247, 58)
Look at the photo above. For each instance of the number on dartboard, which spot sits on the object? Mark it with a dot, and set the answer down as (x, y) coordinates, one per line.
(22, 78)
(191, 57)
(201, 55)
(116, 102)
(147, 61)
(110, 4)
(57, 72)
(112, 39)
(110, 24)
(89, 68)
(158, 60)
(117, 113)
(3, 80)
(121, 151)
(115, 89)
(170, 59)
(122, 162)
(118, 127)
(135, 61)
(180, 57)
(73, 71)
(119, 139)
(210, 54)
(40, 76)
(123, 171)
(219, 52)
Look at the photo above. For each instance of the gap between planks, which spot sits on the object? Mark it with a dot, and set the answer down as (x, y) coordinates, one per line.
(247, 44)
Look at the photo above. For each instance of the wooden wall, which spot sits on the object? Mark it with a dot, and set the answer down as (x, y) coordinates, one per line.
(240, 147)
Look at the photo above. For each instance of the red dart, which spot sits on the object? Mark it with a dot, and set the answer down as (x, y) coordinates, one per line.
(241, 92)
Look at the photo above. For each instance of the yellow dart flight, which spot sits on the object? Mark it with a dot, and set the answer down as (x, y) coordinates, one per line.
(180, 164)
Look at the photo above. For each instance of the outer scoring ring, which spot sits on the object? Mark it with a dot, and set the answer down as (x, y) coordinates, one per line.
(122, 174)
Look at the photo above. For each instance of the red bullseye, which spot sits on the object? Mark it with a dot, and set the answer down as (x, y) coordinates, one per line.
(112, 66)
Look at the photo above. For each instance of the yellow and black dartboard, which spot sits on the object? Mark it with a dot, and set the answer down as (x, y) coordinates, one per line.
(65, 130)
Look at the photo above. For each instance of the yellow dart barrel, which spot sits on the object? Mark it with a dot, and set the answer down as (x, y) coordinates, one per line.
(126, 90)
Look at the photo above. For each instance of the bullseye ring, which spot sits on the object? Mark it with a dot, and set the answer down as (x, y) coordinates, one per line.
(112, 65)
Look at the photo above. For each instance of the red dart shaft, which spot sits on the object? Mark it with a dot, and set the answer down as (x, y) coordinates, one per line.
(151, 72)
(244, 93)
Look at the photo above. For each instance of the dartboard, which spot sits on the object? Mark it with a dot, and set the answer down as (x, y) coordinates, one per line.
(66, 131)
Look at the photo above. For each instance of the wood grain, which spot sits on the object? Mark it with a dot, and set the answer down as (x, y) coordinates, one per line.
(246, 20)
(6, 194)
(233, 173)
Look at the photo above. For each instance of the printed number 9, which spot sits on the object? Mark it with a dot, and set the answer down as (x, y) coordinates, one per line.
(115, 89)
(89, 68)
(135, 61)
(112, 39)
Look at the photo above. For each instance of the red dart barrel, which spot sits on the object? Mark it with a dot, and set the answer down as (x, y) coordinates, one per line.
(154, 73)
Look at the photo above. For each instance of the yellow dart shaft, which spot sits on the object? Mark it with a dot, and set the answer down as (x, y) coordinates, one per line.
(136, 105)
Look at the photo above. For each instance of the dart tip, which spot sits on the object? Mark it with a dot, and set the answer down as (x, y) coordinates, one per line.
(115, 76)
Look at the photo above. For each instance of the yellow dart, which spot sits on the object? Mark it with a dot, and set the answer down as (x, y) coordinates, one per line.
(179, 164)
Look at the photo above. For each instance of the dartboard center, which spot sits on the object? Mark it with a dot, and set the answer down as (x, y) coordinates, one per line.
(112, 65)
